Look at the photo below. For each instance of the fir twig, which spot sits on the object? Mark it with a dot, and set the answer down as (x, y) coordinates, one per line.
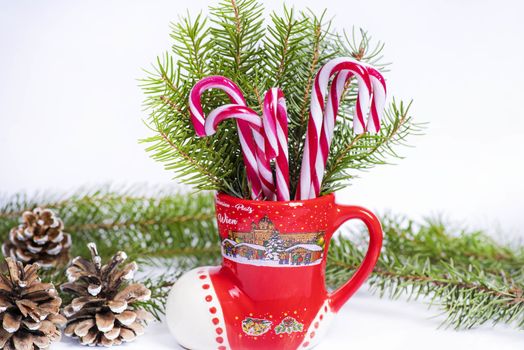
(234, 41)
(161, 224)
(470, 277)
(361, 152)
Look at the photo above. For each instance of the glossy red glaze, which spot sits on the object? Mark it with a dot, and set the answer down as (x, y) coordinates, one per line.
(271, 285)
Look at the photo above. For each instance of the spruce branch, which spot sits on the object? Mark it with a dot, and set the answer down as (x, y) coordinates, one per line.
(471, 278)
(191, 45)
(234, 41)
(124, 220)
(362, 152)
(150, 225)
(237, 31)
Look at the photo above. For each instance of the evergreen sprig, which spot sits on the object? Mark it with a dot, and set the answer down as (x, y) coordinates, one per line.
(235, 41)
(122, 219)
(470, 277)
(361, 152)
(151, 225)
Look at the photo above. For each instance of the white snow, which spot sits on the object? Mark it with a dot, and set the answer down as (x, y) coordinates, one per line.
(229, 240)
(272, 263)
(271, 257)
(311, 247)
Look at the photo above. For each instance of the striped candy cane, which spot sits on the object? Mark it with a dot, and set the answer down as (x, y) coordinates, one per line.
(378, 89)
(276, 134)
(231, 111)
(247, 142)
(331, 111)
(318, 138)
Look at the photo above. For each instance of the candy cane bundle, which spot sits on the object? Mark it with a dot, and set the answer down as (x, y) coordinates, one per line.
(265, 139)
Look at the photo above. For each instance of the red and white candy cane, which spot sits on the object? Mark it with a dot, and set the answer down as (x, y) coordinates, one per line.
(318, 137)
(378, 100)
(370, 81)
(231, 111)
(247, 142)
(276, 134)
(378, 89)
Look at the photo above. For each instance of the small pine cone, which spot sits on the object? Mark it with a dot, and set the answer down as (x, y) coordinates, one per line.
(29, 309)
(39, 239)
(102, 311)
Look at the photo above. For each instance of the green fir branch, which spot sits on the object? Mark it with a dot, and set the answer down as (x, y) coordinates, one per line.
(148, 224)
(471, 278)
(123, 220)
(234, 41)
(362, 152)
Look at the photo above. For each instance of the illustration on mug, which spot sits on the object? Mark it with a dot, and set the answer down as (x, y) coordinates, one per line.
(289, 325)
(264, 245)
(255, 326)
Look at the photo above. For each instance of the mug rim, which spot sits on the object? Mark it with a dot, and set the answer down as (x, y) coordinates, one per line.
(325, 198)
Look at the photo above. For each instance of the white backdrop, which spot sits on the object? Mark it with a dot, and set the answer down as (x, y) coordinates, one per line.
(70, 107)
(70, 115)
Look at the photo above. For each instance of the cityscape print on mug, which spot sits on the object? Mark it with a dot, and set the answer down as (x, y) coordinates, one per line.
(264, 245)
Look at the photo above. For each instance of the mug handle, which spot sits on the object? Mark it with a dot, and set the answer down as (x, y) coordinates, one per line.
(344, 213)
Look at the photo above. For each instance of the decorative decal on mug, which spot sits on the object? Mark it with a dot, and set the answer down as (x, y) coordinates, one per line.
(289, 325)
(255, 326)
(264, 245)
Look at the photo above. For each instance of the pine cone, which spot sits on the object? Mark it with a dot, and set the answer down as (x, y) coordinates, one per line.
(39, 239)
(101, 312)
(29, 309)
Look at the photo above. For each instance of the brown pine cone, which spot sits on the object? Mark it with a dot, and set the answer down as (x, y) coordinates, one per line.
(102, 312)
(39, 239)
(29, 309)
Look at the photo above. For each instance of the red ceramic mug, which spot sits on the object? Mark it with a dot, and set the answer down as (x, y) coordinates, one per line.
(270, 291)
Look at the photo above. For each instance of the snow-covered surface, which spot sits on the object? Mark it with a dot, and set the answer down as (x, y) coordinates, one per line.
(368, 322)
(271, 260)
(274, 263)
(312, 247)
(229, 240)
